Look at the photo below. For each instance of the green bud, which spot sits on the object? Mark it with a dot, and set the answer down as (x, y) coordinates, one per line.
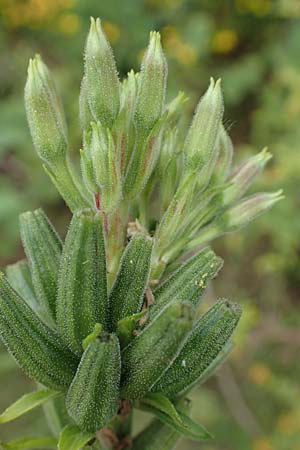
(152, 85)
(85, 114)
(224, 162)
(102, 83)
(189, 281)
(127, 294)
(175, 108)
(92, 399)
(45, 114)
(207, 340)
(106, 166)
(237, 216)
(146, 358)
(248, 209)
(202, 137)
(244, 175)
(43, 250)
(82, 292)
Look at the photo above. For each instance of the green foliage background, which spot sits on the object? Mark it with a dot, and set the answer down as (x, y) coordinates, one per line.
(253, 45)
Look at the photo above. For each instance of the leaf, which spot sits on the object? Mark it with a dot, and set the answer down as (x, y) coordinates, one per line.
(72, 438)
(164, 405)
(30, 442)
(26, 403)
(185, 426)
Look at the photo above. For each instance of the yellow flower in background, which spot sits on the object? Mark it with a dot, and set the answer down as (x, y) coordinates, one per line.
(69, 23)
(112, 31)
(289, 423)
(262, 444)
(182, 51)
(32, 13)
(225, 41)
(259, 374)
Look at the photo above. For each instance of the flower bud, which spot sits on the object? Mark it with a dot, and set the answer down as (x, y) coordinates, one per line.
(152, 85)
(244, 175)
(248, 209)
(45, 114)
(202, 136)
(85, 114)
(102, 82)
(237, 217)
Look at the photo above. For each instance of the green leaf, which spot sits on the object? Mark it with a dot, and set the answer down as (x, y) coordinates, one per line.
(26, 403)
(72, 438)
(185, 426)
(164, 405)
(30, 442)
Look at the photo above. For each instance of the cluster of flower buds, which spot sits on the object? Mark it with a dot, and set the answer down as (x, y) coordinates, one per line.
(107, 320)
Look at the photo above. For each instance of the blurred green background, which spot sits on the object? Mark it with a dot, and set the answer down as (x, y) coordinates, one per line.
(254, 46)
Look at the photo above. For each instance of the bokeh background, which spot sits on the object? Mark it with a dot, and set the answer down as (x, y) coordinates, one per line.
(254, 46)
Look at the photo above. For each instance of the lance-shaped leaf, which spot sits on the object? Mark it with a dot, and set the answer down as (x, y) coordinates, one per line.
(151, 353)
(92, 399)
(102, 84)
(37, 349)
(82, 290)
(209, 337)
(19, 277)
(189, 281)
(72, 438)
(159, 436)
(56, 414)
(126, 297)
(26, 403)
(30, 442)
(43, 250)
(166, 412)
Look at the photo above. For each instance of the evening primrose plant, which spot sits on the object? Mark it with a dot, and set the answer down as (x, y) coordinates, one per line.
(108, 321)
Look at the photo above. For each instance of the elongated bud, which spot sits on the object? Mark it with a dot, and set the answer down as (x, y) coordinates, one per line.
(151, 353)
(248, 209)
(45, 114)
(126, 297)
(237, 217)
(106, 166)
(152, 85)
(209, 336)
(82, 291)
(92, 399)
(102, 84)
(43, 250)
(189, 281)
(85, 114)
(244, 175)
(224, 162)
(37, 349)
(202, 136)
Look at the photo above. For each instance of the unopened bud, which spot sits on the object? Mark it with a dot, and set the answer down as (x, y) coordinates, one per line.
(45, 113)
(102, 82)
(244, 175)
(152, 85)
(248, 209)
(202, 136)
(85, 114)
